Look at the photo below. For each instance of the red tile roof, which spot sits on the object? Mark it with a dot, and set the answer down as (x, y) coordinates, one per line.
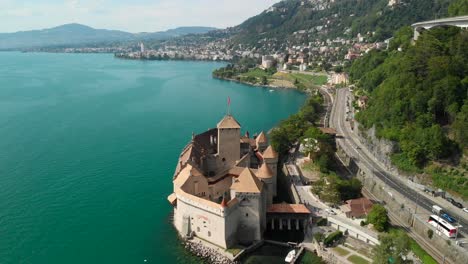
(285, 208)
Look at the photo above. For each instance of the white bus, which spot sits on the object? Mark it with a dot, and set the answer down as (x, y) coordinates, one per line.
(442, 226)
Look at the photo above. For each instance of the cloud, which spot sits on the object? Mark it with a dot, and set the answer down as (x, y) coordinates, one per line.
(134, 16)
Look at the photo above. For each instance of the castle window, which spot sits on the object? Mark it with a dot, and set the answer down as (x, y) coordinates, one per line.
(223, 159)
(198, 229)
(246, 215)
(209, 233)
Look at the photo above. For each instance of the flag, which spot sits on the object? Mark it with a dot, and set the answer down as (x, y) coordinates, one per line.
(229, 101)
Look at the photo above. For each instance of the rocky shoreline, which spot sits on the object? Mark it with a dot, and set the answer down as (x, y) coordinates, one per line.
(209, 255)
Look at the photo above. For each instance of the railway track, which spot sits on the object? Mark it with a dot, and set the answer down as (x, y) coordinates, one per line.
(439, 257)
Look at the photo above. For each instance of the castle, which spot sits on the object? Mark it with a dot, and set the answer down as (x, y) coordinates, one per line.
(223, 185)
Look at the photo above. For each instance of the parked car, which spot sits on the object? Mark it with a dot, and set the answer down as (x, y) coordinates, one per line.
(465, 210)
(450, 199)
(457, 204)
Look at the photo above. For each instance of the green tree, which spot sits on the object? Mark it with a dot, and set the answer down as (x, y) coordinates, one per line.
(350, 189)
(394, 246)
(458, 8)
(378, 217)
(460, 126)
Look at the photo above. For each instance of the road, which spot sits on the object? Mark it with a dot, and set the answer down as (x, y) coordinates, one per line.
(354, 148)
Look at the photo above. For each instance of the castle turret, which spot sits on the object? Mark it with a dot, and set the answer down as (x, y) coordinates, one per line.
(266, 175)
(270, 157)
(248, 189)
(228, 141)
(261, 141)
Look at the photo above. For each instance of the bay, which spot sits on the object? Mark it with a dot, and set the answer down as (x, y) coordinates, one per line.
(88, 147)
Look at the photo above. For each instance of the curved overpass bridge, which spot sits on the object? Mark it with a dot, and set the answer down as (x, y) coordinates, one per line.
(460, 21)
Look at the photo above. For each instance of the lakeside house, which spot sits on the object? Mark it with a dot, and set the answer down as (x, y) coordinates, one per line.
(357, 208)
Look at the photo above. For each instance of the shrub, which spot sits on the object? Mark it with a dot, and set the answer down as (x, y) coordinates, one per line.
(430, 233)
(332, 238)
(363, 223)
(378, 217)
(318, 237)
(322, 222)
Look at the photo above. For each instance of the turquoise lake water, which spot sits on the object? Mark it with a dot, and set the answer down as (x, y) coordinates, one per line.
(88, 147)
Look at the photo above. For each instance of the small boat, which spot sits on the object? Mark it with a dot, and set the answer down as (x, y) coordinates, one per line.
(291, 255)
(271, 90)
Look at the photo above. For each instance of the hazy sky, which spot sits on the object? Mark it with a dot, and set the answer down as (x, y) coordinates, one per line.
(128, 15)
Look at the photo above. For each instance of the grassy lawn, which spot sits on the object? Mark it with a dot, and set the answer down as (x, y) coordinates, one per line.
(311, 258)
(418, 250)
(421, 253)
(357, 260)
(257, 73)
(341, 251)
(304, 81)
(314, 79)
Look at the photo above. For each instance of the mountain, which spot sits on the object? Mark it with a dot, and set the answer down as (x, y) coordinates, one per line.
(176, 32)
(304, 21)
(76, 34)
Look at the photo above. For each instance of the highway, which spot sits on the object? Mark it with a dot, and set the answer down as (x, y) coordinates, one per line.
(354, 148)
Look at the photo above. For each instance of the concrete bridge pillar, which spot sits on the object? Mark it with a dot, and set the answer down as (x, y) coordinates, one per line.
(289, 223)
(272, 224)
(297, 224)
(280, 224)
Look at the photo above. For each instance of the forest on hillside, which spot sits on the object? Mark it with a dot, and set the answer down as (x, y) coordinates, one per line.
(418, 98)
(341, 18)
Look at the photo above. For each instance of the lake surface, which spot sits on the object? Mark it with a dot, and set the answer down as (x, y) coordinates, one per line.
(88, 147)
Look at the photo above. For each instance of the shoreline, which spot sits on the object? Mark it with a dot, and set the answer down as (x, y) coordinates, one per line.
(117, 56)
(307, 92)
(200, 250)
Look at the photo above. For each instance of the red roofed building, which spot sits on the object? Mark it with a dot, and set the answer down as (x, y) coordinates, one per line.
(357, 208)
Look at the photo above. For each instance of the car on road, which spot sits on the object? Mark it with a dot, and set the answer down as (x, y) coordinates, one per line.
(448, 218)
(465, 210)
(457, 204)
(330, 211)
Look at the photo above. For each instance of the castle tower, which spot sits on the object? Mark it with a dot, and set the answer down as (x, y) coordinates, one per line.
(271, 159)
(228, 141)
(261, 141)
(248, 190)
(266, 175)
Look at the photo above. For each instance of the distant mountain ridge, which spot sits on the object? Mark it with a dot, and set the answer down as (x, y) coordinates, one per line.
(76, 34)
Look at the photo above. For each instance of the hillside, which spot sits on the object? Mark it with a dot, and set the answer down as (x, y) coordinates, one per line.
(76, 34)
(305, 21)
(418, 98)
